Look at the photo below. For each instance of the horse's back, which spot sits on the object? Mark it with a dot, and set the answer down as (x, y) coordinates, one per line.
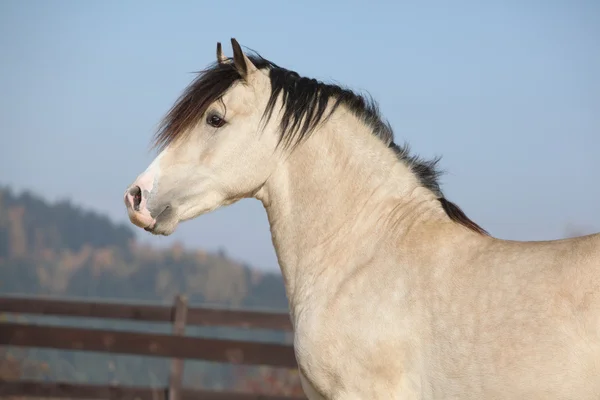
(537, 307)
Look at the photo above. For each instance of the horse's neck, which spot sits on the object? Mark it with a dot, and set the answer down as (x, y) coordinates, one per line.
(335, 197)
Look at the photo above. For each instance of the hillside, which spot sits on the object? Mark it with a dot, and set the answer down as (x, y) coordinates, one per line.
(63, 250)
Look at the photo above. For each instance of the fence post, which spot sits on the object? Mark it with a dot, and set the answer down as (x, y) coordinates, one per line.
(178, 319)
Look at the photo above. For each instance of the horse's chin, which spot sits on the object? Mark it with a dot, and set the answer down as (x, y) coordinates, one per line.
(162, 229)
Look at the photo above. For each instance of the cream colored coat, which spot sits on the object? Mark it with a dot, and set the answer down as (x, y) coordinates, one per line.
(389, 297)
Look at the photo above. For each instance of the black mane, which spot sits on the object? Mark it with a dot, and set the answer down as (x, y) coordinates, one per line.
(305, 102)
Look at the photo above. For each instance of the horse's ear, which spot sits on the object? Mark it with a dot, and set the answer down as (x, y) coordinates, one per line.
(242, 63)
(220, 57)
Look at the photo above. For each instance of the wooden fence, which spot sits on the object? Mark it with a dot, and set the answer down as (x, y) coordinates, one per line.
(176, 345)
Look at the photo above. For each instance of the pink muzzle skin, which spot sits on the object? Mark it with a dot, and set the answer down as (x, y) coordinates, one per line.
(137, 211)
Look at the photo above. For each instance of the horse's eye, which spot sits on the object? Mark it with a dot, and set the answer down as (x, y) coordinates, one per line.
(215, 120)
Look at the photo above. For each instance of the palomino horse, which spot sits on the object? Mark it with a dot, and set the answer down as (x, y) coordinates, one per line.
(393, 292)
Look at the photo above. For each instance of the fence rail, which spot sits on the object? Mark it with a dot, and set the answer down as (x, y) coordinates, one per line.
(176, 345)
(84, 391)
(204, 316)
(146, 344)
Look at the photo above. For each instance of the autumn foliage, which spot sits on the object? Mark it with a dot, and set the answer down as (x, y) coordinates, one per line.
(270, 381)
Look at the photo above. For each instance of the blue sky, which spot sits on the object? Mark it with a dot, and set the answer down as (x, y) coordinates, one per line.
(507, 92)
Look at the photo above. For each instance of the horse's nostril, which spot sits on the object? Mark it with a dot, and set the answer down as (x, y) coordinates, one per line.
(136, 193)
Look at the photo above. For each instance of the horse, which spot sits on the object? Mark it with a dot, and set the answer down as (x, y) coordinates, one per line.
(393, 292)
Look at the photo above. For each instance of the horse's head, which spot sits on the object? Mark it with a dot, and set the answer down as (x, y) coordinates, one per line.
(216, 147)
